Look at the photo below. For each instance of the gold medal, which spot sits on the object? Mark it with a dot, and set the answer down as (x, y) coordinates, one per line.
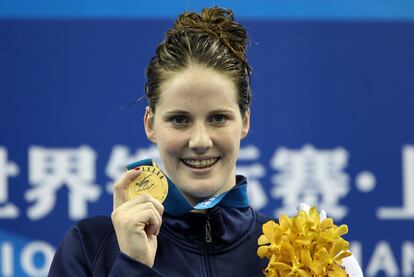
(152, 181)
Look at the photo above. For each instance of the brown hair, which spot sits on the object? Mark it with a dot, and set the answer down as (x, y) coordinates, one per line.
(212, 39)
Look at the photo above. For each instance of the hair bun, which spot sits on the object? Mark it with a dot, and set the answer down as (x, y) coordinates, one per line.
(218, 22)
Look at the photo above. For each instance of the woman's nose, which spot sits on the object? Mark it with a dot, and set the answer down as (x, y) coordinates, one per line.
(200, 140)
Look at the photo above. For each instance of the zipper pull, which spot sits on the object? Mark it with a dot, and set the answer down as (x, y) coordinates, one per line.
(208, 237)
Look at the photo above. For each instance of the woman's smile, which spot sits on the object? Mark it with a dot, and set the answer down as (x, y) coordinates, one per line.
(200, 163)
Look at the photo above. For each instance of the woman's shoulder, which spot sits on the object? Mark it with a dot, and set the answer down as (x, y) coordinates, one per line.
(89, 245)
(94, 232)
(263, 218)
(91, 226)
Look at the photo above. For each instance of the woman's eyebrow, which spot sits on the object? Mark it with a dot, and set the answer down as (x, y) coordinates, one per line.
(176, 112)
(222, 111)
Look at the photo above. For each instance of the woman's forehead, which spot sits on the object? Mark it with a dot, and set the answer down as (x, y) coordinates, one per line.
(197, 86)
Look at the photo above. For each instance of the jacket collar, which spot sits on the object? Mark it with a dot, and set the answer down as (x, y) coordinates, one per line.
(226, 224)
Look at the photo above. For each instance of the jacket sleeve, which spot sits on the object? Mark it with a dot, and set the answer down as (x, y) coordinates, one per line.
(124, 266)
(71, 260)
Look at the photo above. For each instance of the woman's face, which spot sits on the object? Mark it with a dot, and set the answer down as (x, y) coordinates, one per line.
(197, 127)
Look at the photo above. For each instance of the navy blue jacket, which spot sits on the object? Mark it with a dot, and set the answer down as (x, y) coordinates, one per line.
(220, 243)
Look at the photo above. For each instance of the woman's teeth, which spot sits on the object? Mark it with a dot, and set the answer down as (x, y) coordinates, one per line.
(200, 163)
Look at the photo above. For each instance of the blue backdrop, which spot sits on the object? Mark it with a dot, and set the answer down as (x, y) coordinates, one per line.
(332, 117)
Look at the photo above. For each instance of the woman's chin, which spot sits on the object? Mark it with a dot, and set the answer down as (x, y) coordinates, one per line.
(198, 195)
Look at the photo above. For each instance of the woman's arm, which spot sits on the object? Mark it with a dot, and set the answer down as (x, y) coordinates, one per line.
(83, 253)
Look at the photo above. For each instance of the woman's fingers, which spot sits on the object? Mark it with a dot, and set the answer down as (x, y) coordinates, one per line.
(121, 186)
(142, 198)
(143, 216)
(152, 220)
(143, 213)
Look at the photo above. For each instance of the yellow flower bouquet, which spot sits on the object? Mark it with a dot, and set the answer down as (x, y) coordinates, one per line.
(303, 246)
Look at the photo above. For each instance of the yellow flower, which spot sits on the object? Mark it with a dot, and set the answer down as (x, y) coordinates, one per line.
(303, 246)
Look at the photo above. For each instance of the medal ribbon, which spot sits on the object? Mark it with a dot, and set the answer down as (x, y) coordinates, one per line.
(176, 204)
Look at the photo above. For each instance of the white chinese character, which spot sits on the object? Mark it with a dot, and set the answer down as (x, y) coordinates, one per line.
(253, 173)
(121, 157)
(312, 176)
(51, 169)
(7, 169)
(407, 210)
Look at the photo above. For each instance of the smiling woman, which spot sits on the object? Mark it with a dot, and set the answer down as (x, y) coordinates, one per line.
(198, 89)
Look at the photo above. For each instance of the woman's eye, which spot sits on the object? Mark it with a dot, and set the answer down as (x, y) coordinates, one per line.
(179, 120)
(218, 118)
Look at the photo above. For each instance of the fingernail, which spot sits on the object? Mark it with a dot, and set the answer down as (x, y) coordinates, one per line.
(137, 168)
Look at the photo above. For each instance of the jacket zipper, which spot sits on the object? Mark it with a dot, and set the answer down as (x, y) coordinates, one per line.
(207, 240)
(208, 237)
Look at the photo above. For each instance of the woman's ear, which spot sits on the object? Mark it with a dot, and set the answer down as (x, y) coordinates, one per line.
(246, 124)
(149, 125)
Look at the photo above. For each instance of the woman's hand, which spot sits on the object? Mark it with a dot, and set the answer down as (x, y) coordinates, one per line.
(137, 221)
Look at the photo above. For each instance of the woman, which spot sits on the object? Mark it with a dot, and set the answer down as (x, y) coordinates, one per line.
(198, 89)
